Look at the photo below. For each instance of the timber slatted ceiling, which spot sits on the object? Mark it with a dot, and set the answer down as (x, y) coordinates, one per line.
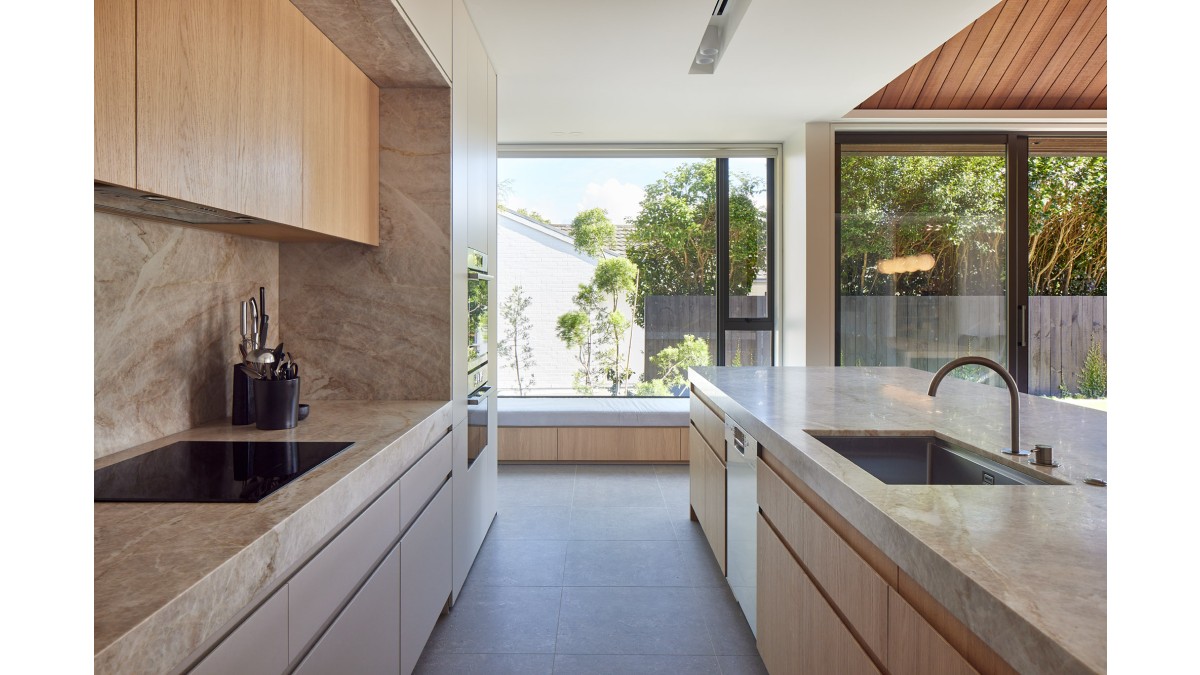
(1020, 55)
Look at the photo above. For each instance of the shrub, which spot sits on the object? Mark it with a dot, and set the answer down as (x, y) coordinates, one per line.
(1093, 378)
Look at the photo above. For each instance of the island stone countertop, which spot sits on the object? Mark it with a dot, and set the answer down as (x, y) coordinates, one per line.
(168, 576)
(1024, 567)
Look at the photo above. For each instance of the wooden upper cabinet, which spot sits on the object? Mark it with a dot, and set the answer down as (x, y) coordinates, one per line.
(341, 143)
(115, 91)
(219, 93)
(433, 20)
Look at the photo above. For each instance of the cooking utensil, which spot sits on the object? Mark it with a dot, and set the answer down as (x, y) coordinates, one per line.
(254, 322)
(250, 372)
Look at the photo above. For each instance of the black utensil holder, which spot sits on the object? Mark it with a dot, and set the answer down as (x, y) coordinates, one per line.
(276, 403)
(243, 397)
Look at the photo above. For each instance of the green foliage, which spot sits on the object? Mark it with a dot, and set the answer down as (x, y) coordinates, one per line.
(953, 207)
(674, 240)
(596, 327)
(673, 363)
(655, 387)
(516, 347)
(614, 276)
(1093, 377)
(1068, 225)
(533, 215)
(593, 232)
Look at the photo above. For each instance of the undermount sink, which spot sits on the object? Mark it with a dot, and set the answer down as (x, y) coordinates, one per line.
(923, 460)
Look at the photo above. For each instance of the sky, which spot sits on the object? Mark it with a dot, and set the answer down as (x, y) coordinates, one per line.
(560, 188)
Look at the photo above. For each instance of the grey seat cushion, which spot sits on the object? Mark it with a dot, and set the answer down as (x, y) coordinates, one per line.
(625, 411)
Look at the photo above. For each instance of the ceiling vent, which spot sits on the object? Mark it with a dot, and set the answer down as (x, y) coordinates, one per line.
(726, 16)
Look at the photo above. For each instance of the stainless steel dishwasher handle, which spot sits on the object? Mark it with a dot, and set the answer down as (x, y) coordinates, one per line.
(739, 441)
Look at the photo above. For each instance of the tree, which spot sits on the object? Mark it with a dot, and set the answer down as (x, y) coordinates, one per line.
(674, 238)
(950, 206)
(1068, 225)
(596, 327)
(515, 346)
(673, 363)
(953, 207)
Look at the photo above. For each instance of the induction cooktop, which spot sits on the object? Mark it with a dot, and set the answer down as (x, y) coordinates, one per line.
(212, 471)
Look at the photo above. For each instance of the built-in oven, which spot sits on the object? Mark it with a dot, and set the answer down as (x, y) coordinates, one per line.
(478, 291)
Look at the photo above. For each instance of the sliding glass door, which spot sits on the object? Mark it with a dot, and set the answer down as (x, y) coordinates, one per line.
(950, 245)
(923, 252)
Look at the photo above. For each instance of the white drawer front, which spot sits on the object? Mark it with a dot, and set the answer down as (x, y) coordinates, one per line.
(320, 587)
(423, 479)
(425, 576)
(258, 645)
(364, 637)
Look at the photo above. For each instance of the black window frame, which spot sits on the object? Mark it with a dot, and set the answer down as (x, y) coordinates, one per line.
(1016, 144)
(725, 322)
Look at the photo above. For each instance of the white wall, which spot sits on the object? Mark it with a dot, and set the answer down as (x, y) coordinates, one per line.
(546, 266)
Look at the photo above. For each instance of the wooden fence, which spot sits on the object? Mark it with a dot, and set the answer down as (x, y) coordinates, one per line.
(926, 332)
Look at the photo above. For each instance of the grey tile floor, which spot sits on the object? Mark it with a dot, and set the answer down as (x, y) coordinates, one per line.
(593, 569)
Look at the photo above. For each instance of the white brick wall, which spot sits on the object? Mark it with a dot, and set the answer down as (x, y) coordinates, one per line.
(544, 263)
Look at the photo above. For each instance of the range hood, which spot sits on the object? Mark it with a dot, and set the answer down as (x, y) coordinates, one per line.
(125, 201)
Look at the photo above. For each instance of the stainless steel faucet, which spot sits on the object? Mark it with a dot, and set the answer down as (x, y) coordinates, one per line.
(1014, 402)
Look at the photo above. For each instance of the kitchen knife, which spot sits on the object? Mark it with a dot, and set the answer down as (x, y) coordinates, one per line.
(262, 307)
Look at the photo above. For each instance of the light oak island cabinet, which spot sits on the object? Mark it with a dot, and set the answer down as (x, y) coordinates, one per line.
(829, 601)
(706, 462)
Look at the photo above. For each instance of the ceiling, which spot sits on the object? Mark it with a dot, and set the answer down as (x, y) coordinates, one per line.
(584, 71)
(1021, 55)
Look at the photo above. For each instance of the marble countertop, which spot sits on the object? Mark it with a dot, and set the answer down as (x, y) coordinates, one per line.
(169, 575)
(1024, 567)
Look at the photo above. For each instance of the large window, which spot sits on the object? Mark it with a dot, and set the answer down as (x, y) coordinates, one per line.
(617, 274)
(990, 245)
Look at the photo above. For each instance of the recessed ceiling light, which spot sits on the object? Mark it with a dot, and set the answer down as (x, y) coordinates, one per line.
(726, 16)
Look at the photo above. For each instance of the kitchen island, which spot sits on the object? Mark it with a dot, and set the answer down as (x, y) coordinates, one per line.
(1022, 568)
(171, 578)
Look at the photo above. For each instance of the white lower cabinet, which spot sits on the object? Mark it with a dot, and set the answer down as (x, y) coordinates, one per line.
(363, 638)
(426, 564)
(342, 613)
(258, 645)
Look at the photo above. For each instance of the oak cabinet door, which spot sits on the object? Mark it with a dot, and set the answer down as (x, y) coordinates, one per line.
(341, 143)
(915, 647)
(798, 632)
(219, 92)
(697, 464)
(714, 506)
(115, 72)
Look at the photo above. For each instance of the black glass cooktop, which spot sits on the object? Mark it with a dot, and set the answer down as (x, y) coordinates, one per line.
(211, 471)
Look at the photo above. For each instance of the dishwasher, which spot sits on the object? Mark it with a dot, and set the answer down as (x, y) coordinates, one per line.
(741, 522)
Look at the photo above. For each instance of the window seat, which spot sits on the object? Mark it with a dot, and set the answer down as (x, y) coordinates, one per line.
(595, 429)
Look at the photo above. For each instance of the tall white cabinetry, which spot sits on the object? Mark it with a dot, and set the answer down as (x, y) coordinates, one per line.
(474, 203)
